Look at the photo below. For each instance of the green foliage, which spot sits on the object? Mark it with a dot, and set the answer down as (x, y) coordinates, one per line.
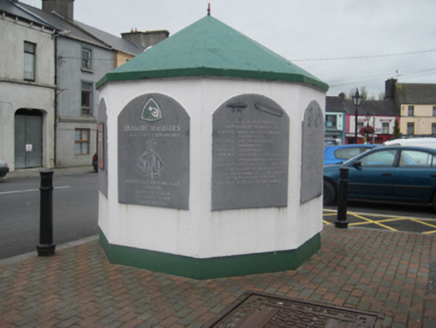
(397, 133)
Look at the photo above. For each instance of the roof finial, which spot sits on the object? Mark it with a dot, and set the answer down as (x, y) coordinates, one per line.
(208, 9)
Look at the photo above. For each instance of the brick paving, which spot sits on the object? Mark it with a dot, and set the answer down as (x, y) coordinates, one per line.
(370, 270)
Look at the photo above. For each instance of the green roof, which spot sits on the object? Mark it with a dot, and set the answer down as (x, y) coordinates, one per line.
(209, 47)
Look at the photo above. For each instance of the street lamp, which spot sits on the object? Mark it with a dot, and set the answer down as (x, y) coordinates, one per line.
(357, 99)
(368, 116)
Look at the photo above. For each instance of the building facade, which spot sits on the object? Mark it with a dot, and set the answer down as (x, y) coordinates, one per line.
(417, 103)
(27, 89)
(378, 114)
(49, 68)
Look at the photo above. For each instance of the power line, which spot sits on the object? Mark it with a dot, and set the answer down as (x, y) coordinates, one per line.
(364, 57)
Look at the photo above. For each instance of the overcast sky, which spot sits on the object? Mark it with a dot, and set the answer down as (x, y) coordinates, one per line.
(345, 43)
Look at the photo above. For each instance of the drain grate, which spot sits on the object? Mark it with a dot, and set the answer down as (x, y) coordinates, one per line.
(260, 310)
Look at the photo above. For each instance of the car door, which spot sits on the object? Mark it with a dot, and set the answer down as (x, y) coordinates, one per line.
(415, 177)
(371, 175)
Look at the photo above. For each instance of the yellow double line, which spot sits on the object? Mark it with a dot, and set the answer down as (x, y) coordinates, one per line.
(389, 218)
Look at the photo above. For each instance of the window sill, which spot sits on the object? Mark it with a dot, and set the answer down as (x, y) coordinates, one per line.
(86, 70)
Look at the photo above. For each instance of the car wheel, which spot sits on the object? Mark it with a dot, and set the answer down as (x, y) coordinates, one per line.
(329, 194)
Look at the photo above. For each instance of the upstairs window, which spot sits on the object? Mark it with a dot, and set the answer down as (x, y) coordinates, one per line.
(434, 111)
(411, 111)
(29, 61)
(86, 98)
(86, 59)
(385, 128)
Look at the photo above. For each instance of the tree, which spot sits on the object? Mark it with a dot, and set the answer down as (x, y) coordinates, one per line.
(397, 133)
(363, 93)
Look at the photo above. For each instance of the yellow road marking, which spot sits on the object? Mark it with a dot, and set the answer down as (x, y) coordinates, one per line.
(373, 222)
(390, 218)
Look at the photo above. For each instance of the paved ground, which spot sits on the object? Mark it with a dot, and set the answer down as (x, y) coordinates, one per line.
(392, 273)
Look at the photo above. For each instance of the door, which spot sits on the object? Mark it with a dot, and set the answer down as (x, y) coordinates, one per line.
(28, 139)
(372, 175)
(415, 178)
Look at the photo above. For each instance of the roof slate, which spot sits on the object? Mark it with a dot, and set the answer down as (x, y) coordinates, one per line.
(374, 107)
(79, 31)
(416, 93)
(15, 10)
(209, 47)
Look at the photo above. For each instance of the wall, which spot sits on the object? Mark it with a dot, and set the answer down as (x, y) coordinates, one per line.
(199, 232)
(15, 93)
(121, 58)
(423, 119)
(70, 77)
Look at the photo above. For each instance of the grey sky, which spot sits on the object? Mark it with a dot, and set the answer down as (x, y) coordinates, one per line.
(345, 43)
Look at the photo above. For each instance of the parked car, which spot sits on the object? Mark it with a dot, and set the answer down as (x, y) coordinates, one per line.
(415, 142)
(95, 162)
(4, 169)
(397, 174)
(341, 153)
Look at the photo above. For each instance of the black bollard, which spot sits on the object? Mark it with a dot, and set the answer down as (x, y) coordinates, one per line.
(341, 221)
(45, 246)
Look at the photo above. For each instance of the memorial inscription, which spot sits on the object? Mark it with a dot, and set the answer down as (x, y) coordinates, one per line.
(312, 152)
(153, 153)
(250, 154)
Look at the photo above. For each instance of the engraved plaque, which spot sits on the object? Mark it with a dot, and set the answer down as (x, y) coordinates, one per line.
(312, 152)
(153, 153)
(250, 154)
(102, 148)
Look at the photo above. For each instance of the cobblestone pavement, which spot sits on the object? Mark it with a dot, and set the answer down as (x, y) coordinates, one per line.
(387, 272)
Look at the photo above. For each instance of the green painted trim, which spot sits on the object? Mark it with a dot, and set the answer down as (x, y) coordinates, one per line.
(210, 268)
(204, 71)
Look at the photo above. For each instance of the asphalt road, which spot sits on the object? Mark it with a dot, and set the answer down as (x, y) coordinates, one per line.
(75, 210)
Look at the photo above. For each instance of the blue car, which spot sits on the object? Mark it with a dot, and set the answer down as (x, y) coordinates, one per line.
(393, 174)
(341, 153)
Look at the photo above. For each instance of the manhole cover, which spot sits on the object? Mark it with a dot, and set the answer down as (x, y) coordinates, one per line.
(259, 310)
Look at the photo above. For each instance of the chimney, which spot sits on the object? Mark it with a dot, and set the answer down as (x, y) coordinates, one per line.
(390, 89)
(145, 39)
(64, 8)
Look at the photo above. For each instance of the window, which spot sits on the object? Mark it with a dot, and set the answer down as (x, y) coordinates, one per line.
(385, 128)
(433, 128)
(29, 61)
(81, 142)
(411, 111)
(86, 59)
(86, 98)
(414, 158)
(410, 128)
(434, 111)
(379, 158)
(330, 122)
(359, 126)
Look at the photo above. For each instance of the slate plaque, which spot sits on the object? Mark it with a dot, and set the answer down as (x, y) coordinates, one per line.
(312, 152)
(102, 148)
(250, 154)
(153, 153)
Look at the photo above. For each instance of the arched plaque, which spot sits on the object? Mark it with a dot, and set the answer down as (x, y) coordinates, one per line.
(312, 152)
(250, 154)
(153, 153)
